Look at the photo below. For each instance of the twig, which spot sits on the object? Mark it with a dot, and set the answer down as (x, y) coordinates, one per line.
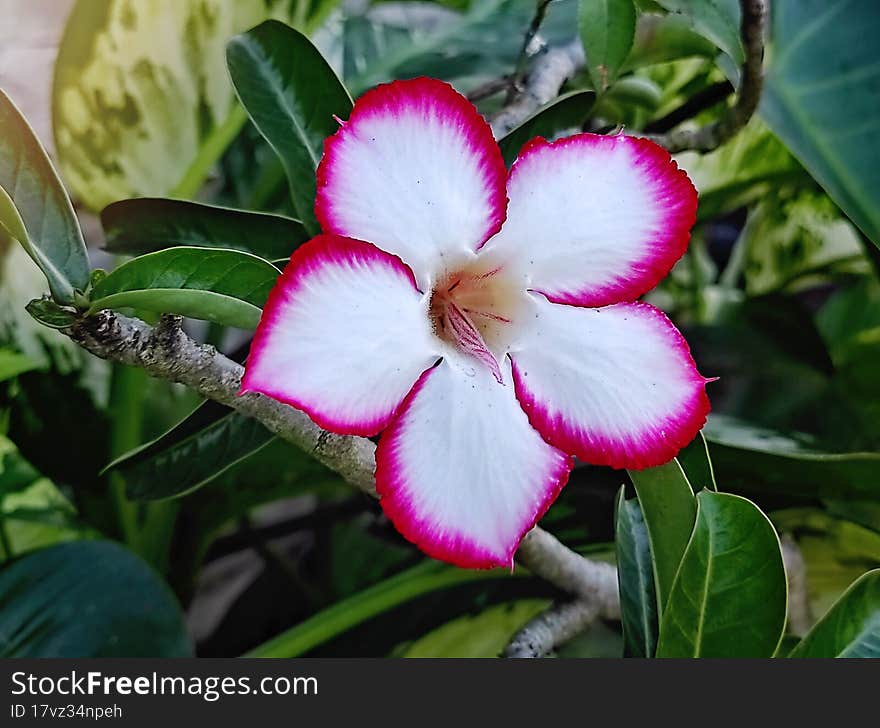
(166, 352)
(527, 51)
(711, 136)
(541, 86)
(704, 99)
(551, 628)
(799, 618)
(490, 88)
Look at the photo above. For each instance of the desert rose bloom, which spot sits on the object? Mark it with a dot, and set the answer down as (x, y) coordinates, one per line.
(485, 323)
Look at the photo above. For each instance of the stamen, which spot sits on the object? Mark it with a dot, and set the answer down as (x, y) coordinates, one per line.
(486, 314)
(469, 339)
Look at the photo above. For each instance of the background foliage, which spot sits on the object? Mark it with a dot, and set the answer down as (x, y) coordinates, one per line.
(135, 519)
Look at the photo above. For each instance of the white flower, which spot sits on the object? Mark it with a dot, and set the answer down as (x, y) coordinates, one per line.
(488, 339)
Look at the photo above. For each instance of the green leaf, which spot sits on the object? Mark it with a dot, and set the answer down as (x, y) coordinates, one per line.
(45, 224)
(428, 577)
(223, 286)
(135, 227)
(50, 314)
(292, 95)
(664, 38)
(851, 628)
(756, 459)
(717, 20)
(13, 363)
(667, 502)
(607, 30)
(638, 597)
(729, 597)
(481, 635)
(87, 599)
(836, 551)
(190, 454)
(821, 97)
(697, 464)
(565, 112)
(137, 117)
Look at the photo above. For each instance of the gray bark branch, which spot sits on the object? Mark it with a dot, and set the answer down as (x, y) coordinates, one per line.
(166, 352)
(711, 136)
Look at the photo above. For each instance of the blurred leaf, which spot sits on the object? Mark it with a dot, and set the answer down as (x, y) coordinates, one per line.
(141, 102)
(430, 576)
(697, 464)
(50, 314)
(638, 597)
(729, 595)
(190, 454)
(836, 551)
(565, 112)
(718, 20)
(223, 286)
(292, 95)
(741, 171)
(756, 459)
(668, 507)
(12, 363)
(665, 38)
(851, 628)
(135, 227)
(798, 241)
(45, 223)
(849, 316)
(87, 599)
(821, 94)
(607, 29)
(481, 635)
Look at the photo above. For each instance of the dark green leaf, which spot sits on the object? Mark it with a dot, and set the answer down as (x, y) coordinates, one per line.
(224, 286)
(190, 455)
(697, 464)
(50, 313)
(729, 596)
(87, 599)
(851, 628)
(28, 180)
(718, 20)
(669, 508)
(292, 95)
(607, 30)
(821, 97)
(635, 577)
(565, 112)
(135, 227)
(757, 459)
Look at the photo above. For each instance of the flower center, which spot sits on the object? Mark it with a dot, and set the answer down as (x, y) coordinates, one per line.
(472, 309)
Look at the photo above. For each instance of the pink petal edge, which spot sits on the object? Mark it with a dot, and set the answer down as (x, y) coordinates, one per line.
(309, 257)
(635, 453)
(451, 549)
(398, 94)
(672, 185)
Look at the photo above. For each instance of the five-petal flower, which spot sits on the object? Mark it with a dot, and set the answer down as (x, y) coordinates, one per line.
(484, 322)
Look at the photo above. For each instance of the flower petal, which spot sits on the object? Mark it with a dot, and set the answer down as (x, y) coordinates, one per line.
(595, 219)
(344, 335)
(615, 386)
(460, 471)
(416, 171)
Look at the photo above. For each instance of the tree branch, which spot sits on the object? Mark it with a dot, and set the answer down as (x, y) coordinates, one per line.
(540, 87)
(166, 352)
(711, 136)
(550, 629)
